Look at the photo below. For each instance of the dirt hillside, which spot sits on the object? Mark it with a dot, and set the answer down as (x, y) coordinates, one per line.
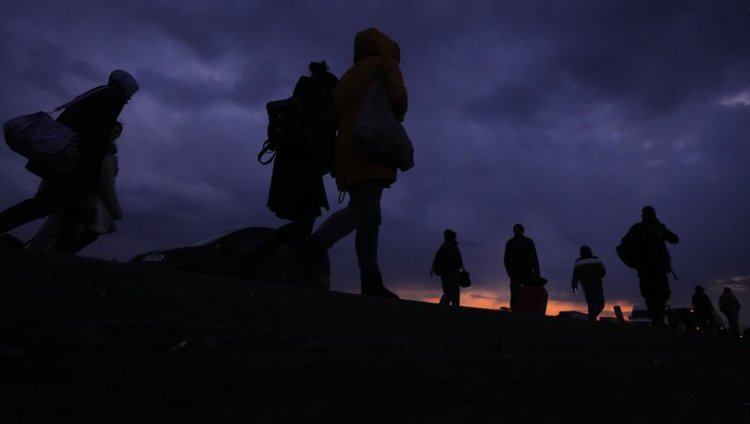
(87, 340)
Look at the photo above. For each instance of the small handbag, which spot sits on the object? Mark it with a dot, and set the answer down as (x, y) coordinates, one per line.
(376, 128)
(464, 280)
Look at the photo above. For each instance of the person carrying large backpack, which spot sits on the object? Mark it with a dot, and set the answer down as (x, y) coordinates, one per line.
(300, 142)
(92, 116)
(649, 256)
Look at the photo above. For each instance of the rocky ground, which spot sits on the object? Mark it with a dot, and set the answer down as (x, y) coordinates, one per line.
(89, 340)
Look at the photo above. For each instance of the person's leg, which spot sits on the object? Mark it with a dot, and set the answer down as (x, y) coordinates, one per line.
(450, 289)
(655, 291)
(363, 207)
(734, 325)
(589, 296)
(515, 284)
(363, 215)
(84, 239)
(77, 210)
(295, 234)
(365, 198)
(595, 300)
(455, 292)
(46, 201)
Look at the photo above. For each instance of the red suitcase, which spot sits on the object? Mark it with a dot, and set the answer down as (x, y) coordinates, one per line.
(532, 300)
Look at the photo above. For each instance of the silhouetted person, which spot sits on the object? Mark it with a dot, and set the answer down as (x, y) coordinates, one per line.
(704, 309)
(447, 264)
(297, 192)
(730, 306)
(590, 271)
(521, 262)
(653, 262)
(92, 118)
(360, 176)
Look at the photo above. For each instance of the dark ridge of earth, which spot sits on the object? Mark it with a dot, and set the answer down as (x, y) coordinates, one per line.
(86, 340)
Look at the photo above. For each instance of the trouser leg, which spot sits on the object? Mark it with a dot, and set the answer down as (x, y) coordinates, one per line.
(451, 290)
(515, 284)
(654, 286)
(46, 201)
(23, 213)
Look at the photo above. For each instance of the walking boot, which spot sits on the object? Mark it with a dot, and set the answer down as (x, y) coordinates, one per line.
(372, 285)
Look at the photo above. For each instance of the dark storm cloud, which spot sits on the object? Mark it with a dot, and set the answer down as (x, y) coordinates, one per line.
(565, 116)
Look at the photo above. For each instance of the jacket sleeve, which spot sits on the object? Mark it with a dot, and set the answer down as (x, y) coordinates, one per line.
(669, 236)
(574, 278)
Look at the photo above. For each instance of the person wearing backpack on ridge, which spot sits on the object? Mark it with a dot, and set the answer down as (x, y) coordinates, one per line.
(296, 191)
(447, 264)
(363, 178)
(92, 118)
(652, 261)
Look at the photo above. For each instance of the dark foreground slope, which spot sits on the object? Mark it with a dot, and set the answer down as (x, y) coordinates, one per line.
(87, 340)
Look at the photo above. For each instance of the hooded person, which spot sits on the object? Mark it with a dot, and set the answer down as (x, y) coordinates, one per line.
(92, 115)
(363, 178)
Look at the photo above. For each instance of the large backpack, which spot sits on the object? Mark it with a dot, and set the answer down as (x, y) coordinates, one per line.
(299, 124)
(46, 142)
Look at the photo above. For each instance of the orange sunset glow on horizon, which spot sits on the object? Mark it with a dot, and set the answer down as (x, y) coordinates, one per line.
(488, 299)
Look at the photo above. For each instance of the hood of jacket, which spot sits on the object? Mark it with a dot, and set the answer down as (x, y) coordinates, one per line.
(372, 42)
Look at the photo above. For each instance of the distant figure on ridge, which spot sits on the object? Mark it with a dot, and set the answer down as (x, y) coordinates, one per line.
(360, 176)
(646, 248)
(92, 116)
(730, 306)
(301, 140)
(704, 309)
(590, 271)
(447, 264)
(521, 262)
(104, 209)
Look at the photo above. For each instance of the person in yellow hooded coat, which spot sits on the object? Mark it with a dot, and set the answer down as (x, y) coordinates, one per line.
(356, 174)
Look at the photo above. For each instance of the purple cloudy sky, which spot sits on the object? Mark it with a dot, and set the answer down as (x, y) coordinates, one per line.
(565, 116)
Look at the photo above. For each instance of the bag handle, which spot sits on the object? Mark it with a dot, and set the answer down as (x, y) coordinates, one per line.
(80, 98)
(265, 150)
